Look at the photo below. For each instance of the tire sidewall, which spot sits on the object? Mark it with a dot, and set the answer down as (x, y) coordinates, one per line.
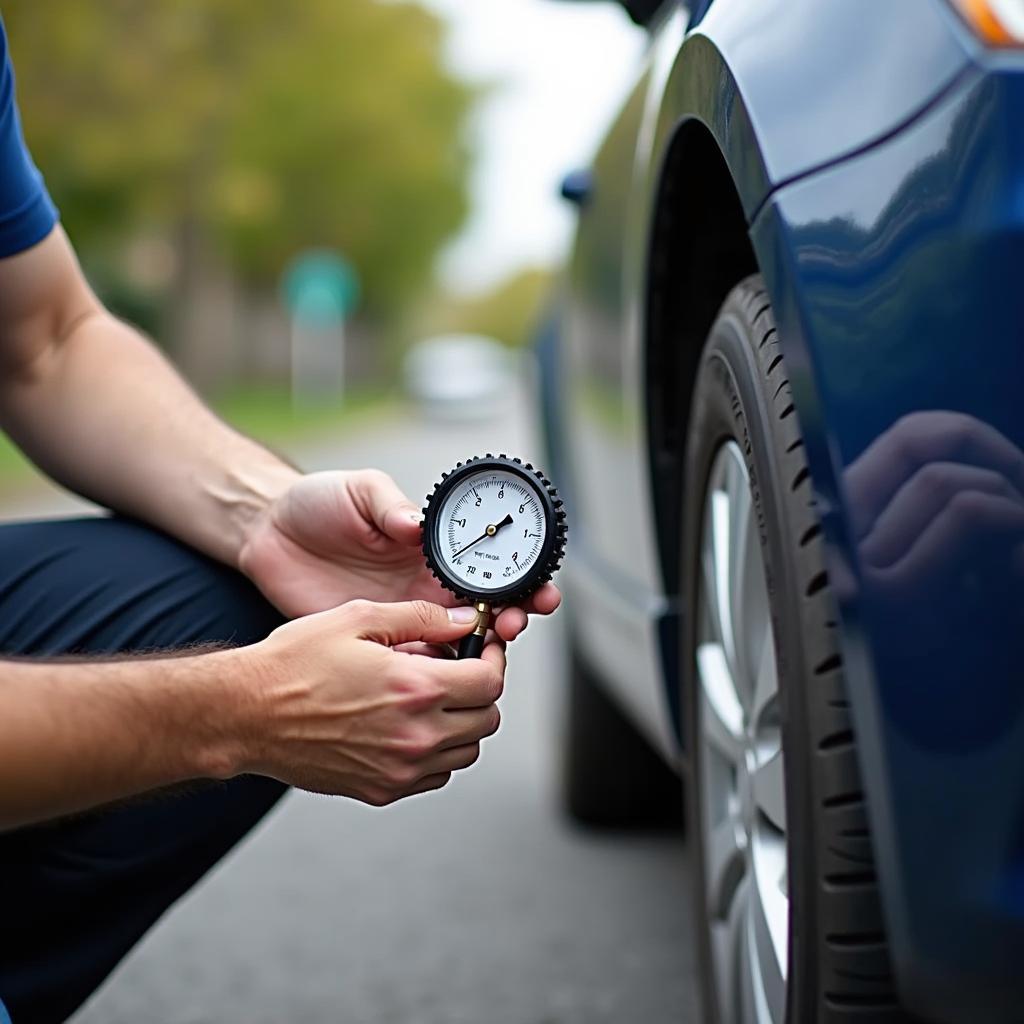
(730, 403)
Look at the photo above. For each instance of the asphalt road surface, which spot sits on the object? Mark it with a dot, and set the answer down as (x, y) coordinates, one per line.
(479, 904)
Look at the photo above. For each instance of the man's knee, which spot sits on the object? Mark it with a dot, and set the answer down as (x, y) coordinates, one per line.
(111, 585)
(65, 930)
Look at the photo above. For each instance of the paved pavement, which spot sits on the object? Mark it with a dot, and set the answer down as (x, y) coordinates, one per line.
(476, 905)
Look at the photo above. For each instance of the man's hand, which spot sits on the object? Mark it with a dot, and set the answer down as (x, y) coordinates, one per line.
(351, 701)
(332, 707)
(333, 537)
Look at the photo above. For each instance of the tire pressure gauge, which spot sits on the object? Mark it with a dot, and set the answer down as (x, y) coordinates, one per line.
(493, 532)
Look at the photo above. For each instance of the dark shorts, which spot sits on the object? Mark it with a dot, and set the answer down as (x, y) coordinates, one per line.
(77, 894)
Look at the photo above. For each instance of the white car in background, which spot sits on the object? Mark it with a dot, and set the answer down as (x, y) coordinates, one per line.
(460, 376)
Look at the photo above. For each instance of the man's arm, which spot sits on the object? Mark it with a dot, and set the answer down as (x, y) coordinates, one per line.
(76, 735)
(324, 703)
(96, 406)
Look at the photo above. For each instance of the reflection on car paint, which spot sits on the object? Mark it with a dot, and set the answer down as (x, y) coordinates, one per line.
(896, 278)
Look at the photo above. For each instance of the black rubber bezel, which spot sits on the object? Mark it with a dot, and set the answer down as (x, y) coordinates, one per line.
(551, 551)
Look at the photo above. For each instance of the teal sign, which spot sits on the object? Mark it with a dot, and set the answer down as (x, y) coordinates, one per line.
(320, 288)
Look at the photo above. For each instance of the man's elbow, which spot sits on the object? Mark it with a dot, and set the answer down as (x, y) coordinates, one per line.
(47, 303)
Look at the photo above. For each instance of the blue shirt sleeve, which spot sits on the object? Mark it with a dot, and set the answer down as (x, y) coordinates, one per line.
(27, 214)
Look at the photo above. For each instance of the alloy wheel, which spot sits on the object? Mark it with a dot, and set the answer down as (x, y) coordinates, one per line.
(742, 774)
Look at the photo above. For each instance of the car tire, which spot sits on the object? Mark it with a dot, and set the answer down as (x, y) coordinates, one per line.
(824, 940)
(611, 776)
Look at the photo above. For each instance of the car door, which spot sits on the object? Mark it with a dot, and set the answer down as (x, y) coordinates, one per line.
(619, 597)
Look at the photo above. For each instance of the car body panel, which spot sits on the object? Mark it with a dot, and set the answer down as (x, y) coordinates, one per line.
(708, 76)
(887, 219)
(773, 49)
(605, 436)
(896, 280)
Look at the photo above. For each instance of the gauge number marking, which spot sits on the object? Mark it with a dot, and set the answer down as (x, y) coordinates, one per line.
(475, 519)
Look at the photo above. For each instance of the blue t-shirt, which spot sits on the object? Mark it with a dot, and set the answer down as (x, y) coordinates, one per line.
(27, 214)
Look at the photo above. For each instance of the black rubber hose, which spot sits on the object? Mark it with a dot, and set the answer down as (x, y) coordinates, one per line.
(471, 646)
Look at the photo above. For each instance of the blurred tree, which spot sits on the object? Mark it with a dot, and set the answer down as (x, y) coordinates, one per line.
(246, 130)
(510, 312)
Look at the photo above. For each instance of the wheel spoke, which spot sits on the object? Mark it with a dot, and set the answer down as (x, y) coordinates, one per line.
(766, 686)
(732, 955)
(760, 1000)
(725, 863)
(769, 924)
(769, 786)
(743, 600)
(721, 714)
(752, 612)
(741, 759)
(721, 551)
(747, 989)
(709, 590)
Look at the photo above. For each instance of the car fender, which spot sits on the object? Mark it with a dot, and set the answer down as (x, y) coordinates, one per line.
(744, 76)
(781, 84)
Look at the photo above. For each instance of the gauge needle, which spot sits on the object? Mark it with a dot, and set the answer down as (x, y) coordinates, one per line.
(489, 532)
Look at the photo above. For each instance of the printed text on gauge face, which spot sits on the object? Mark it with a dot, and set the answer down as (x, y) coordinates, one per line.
(493, 529)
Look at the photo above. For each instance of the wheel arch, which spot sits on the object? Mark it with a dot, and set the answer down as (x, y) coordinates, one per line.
(699, 250)
(722, 143)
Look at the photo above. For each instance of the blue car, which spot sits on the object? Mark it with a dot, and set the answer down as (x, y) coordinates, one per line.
(784, 390)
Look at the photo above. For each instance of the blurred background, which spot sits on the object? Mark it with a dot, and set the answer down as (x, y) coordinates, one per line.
(341, 219)
(289, 196)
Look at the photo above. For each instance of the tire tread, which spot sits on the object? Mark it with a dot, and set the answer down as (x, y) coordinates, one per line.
(854, 978)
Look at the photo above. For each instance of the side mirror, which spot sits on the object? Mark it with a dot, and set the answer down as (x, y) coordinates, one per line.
(577, 187)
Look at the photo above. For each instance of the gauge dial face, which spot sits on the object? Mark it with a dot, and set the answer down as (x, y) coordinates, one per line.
(492, 529)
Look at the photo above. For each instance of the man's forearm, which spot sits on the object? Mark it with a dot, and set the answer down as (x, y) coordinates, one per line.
(106, 415)
(74, 735)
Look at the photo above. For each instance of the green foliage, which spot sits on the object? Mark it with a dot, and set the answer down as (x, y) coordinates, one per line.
(261, 127)
(510, 313)
(267, 414)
